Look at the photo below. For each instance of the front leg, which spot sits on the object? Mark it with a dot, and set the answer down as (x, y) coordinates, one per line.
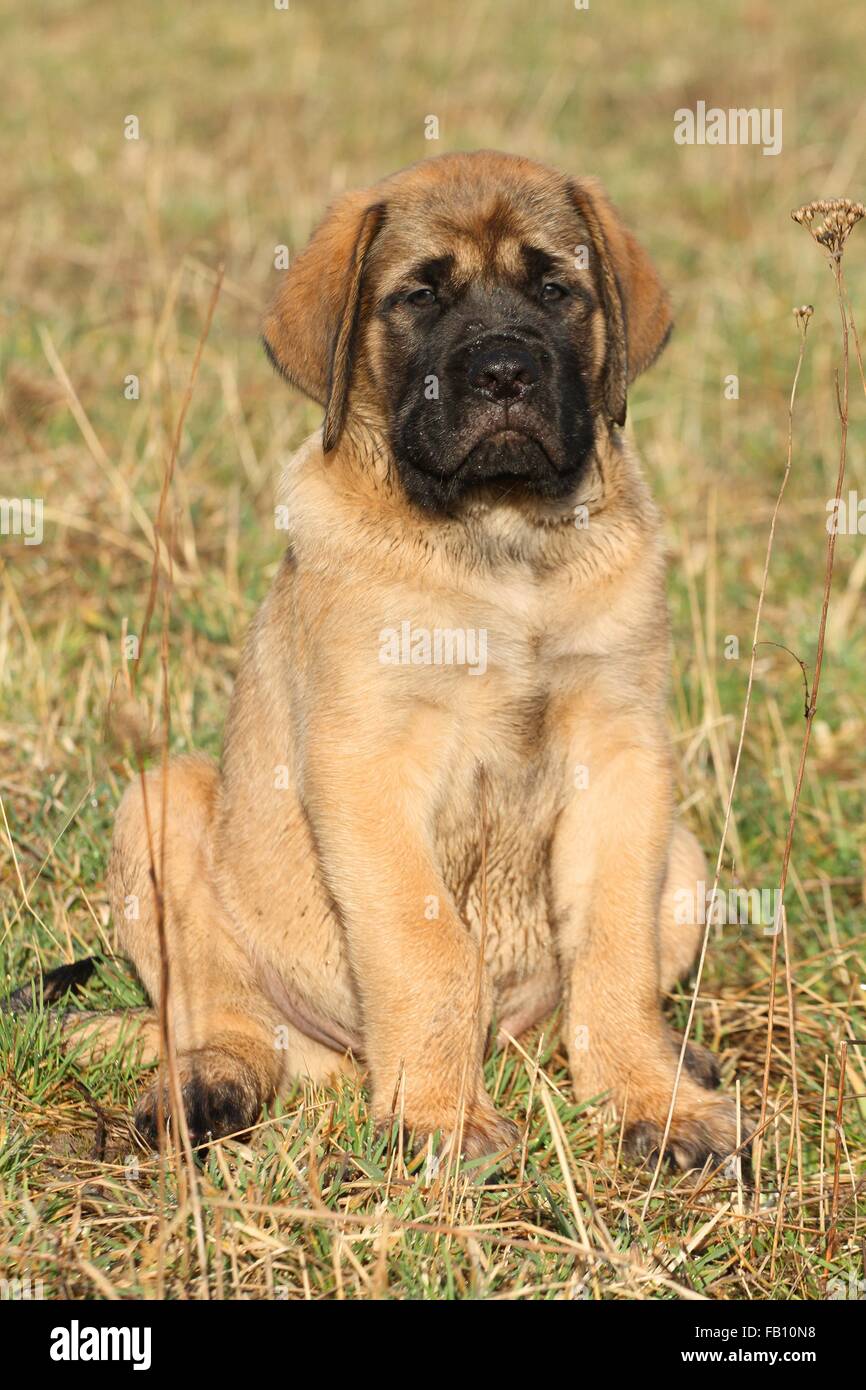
(609, 865)
(424, 992)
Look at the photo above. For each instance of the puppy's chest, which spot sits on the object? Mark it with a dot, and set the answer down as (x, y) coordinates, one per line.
(494, 840)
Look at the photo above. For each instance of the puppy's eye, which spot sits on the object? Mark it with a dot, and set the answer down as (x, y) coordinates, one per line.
(419, 299)
(551, 291)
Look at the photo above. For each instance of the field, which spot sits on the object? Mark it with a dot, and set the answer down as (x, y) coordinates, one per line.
(249, 119)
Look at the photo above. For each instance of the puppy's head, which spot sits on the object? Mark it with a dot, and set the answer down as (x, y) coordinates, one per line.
(485, 314)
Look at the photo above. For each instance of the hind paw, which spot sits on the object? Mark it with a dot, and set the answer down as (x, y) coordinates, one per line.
(216, 1103)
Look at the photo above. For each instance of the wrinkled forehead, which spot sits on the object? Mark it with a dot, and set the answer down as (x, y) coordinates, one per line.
(475, 233)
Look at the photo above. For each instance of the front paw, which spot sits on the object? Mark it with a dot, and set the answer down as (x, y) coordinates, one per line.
(702, 1066)
(699, 1134)
(478, 1132)
(488, 1134)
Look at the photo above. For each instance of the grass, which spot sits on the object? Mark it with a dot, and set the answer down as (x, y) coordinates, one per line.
(250, 119)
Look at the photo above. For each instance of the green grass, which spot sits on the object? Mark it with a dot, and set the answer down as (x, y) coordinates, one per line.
(251, 120)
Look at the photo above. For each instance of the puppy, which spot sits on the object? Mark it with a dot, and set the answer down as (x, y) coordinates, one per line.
(445, 801)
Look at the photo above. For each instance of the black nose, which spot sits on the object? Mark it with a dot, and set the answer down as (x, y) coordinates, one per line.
(503, 372)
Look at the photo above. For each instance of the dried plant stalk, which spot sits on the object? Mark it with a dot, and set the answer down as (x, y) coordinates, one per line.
(837, 219)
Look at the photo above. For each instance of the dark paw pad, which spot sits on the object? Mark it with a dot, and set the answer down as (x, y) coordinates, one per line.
(213, 1109)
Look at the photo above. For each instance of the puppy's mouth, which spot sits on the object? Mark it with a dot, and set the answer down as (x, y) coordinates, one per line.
(495, 460)
(506, 455)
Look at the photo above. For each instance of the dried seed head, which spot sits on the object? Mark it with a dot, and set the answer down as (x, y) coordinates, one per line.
(803, 313)
(128, 726)
(838, 216)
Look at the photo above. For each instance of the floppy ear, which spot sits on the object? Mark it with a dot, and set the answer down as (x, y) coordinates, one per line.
(310, 328)
(636, 305)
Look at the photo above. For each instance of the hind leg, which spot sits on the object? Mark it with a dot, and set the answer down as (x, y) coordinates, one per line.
(234, 1052)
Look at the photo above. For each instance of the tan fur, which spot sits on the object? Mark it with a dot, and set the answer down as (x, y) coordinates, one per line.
(327, 879)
